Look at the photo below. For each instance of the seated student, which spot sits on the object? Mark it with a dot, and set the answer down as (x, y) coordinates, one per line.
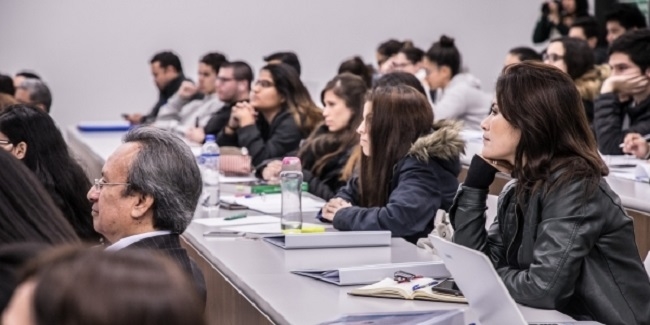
(561, 239)
(408, 170)
(573, 56)
(520, 54)
(288, 58)
(71, 285)
(23, 75)
(357, 67)
(36, 93)
(460, 97)
(233, 85)
(587, 29)
(326, 152)
(31, 136)
(167, 73)
(181, 112)
(409, 59)
(556, 18)
(279, 115)
(624, 104)
(385, 53)
(623, 17)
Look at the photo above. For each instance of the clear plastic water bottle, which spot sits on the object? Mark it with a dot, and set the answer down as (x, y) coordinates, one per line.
(291, 186)
(210, 168)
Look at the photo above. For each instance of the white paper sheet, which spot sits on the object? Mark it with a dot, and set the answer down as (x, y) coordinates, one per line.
(272, 203)
(264, 228)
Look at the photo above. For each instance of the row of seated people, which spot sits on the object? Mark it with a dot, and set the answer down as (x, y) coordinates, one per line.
(560, 240)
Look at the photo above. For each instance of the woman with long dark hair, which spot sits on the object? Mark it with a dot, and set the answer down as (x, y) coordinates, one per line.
(408, 169)
(326, 152)
(561, 239)
(557, 17)
(31, 136)
(280, 114)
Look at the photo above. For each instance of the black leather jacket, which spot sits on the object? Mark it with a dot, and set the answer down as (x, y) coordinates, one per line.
(568, 250)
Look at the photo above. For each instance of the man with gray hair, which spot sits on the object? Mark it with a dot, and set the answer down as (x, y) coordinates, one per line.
(147, 195)
(34, 92)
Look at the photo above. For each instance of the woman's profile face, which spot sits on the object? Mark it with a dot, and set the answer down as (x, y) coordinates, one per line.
(500, 138)
(555, 56)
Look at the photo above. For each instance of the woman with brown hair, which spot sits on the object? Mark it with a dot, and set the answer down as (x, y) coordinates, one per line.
(560, 239)
(408, 169)
(327, 150)
(80, 286)
(280, 114)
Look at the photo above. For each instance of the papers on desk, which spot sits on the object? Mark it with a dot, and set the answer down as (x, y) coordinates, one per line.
(368, 274)
(104, 126)
(222, 222)
(628, 167)
(236, 179)
(430, 317)
(271, 203)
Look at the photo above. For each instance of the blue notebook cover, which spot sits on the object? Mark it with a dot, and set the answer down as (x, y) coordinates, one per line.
(104, 126)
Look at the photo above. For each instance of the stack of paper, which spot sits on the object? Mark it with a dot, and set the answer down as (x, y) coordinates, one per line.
(271, 203)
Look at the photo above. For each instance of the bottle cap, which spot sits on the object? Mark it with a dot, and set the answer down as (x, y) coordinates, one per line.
(209, 138)
(291, 164)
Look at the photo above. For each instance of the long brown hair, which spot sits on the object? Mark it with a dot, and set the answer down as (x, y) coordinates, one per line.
(323, 146)
(297, 99)
(399, 116)
(544, 105)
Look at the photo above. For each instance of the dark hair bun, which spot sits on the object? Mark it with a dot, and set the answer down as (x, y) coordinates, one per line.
(446, 41)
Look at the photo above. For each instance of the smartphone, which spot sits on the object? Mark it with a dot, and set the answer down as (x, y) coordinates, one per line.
(447, 286)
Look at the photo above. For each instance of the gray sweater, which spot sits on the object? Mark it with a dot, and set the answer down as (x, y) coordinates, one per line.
(180, 114)
(464, 101)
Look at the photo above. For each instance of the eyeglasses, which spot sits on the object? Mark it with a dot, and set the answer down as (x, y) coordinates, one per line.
(552, 57)
(264, 83)
(99, 183)
(401, 277)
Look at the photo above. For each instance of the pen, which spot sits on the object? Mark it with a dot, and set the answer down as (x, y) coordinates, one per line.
(430, 284)
(645, 137)
(235, 217)
(196, 122)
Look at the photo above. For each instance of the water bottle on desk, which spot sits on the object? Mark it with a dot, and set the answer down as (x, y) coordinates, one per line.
(291, 187)
(210, 168)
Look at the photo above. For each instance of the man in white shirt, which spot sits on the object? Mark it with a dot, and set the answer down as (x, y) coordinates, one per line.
(147, 195)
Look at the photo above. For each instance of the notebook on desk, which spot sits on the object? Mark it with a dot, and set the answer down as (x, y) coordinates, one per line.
(486, 294)
(104, 126)
(333, 239)
(367, 274)
(271, 203)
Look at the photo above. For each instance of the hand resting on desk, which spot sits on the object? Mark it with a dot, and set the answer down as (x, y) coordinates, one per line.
(333, 206)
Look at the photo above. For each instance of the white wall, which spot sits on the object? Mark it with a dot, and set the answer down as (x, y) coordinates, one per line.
(94, 54)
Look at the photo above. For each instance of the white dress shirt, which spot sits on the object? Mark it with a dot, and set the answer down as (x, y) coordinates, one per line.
(127, 241)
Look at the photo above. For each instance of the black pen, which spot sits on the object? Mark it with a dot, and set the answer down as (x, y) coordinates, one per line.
(196, 122)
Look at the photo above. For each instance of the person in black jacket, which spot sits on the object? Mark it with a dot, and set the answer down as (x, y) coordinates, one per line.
(168, 75)
(623, 106)
(408, 170)
(31, 136)
(279, 115)
(561, 239)
(557, 17)
(573, 56)
(326, 152)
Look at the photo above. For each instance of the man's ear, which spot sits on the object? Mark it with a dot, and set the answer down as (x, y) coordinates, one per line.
(20, 150)
(145, 203)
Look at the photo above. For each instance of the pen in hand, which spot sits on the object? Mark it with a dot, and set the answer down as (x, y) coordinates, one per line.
(645, 137)
(196, 122)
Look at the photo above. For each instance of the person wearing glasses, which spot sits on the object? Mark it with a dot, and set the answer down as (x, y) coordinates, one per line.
(574, 57)
(233, 85)
(142, 201)
(279, 115)
(192, 105)
(30, 135)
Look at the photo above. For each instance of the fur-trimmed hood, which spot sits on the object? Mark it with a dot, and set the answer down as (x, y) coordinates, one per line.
(444, 143)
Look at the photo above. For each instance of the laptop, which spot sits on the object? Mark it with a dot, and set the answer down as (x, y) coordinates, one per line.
(486, 294)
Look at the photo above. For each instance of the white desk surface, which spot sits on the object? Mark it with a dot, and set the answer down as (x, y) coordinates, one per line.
(261, 270)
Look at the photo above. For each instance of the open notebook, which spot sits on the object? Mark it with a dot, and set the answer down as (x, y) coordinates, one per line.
(389, 288)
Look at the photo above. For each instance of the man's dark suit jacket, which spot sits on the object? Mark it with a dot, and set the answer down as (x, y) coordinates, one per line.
(171, 246)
